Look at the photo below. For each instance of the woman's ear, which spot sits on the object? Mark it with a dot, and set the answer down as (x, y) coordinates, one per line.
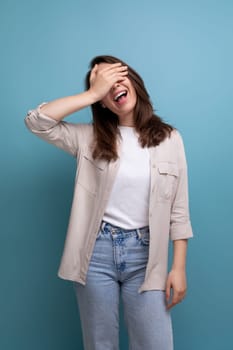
(102, 105)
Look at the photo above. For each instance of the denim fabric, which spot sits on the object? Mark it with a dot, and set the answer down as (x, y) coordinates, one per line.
(117, 268)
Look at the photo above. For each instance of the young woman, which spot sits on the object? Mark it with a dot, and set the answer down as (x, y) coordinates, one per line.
(130, 198)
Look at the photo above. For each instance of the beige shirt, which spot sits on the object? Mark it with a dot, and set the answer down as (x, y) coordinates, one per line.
(168, 200)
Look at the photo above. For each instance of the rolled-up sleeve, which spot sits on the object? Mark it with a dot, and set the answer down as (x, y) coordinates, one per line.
(180, 225)
(59, 133)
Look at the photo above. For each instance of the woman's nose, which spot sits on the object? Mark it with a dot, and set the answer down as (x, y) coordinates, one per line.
(115, 86)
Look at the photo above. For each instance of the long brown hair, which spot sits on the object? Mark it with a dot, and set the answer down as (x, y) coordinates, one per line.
(150, 127)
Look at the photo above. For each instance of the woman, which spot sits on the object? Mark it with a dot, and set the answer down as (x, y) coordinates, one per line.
(130, 198)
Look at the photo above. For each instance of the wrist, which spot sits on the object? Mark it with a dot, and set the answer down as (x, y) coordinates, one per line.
(178, 267)
(93, 97)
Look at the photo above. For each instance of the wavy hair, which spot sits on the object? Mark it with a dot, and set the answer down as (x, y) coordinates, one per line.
(150, 127)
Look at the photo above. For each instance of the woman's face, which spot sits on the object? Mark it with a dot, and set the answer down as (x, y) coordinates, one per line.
(121, 100)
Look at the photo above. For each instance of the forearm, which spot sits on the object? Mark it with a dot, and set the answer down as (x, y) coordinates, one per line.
(101, 81)
(179, 254)
(176, 280)
(62, 107)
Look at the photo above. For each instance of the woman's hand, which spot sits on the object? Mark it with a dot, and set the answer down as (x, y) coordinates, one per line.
(103, 78)
(176, 287)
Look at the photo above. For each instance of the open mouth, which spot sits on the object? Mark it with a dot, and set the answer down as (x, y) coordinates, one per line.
(120, 96)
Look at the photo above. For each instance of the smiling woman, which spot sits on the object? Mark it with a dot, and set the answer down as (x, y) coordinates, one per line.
(121, 98)
(125, 102)
(130, 198)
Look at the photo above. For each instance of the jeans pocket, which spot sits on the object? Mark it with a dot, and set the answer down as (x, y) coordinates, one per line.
(99, 234)
(145, 238)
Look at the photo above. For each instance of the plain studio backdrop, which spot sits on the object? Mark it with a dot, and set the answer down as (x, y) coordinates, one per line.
(183, 50)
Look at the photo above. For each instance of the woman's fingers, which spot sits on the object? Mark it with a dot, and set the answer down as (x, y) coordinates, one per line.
(112, 67)
(113, 75)
(103, 77)
(108, 72)
(168, 290)
(177, 297)
(175, 287)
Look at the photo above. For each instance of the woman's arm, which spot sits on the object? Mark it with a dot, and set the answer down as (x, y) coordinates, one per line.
(176, 281)
(180, 231)
(61, 107)
(46, 120)
(101, 81)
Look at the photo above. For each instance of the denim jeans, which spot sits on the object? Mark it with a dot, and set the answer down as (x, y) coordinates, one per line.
(117, 268)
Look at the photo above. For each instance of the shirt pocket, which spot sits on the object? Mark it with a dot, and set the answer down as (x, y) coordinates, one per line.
(167, 180)
(90, 173)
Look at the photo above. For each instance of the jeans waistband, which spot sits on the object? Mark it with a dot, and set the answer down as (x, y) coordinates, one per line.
(116, 229)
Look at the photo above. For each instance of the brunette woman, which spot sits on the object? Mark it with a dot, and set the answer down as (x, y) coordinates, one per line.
(130, 198)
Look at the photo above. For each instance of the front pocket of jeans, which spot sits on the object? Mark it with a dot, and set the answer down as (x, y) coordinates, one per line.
(144, 239)
(98, 235)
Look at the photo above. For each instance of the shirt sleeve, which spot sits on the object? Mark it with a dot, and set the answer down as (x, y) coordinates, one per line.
(59, 133)
(180, 225)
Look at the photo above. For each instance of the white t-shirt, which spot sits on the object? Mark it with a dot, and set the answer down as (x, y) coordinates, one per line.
(128, 205)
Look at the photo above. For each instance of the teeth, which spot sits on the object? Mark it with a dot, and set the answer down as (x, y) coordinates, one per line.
(119, 95)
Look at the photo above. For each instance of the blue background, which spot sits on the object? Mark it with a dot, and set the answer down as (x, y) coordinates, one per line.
(183, 50)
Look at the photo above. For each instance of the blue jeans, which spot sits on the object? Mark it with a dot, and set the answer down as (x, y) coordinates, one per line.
(117, 267)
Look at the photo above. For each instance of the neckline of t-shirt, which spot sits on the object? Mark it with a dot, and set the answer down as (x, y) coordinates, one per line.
(127, 130)
(126, 127)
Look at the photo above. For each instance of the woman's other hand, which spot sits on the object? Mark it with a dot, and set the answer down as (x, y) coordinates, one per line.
(176, 287)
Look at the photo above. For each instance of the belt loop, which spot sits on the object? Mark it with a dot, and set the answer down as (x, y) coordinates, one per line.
(138, 233)
(102, 226)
